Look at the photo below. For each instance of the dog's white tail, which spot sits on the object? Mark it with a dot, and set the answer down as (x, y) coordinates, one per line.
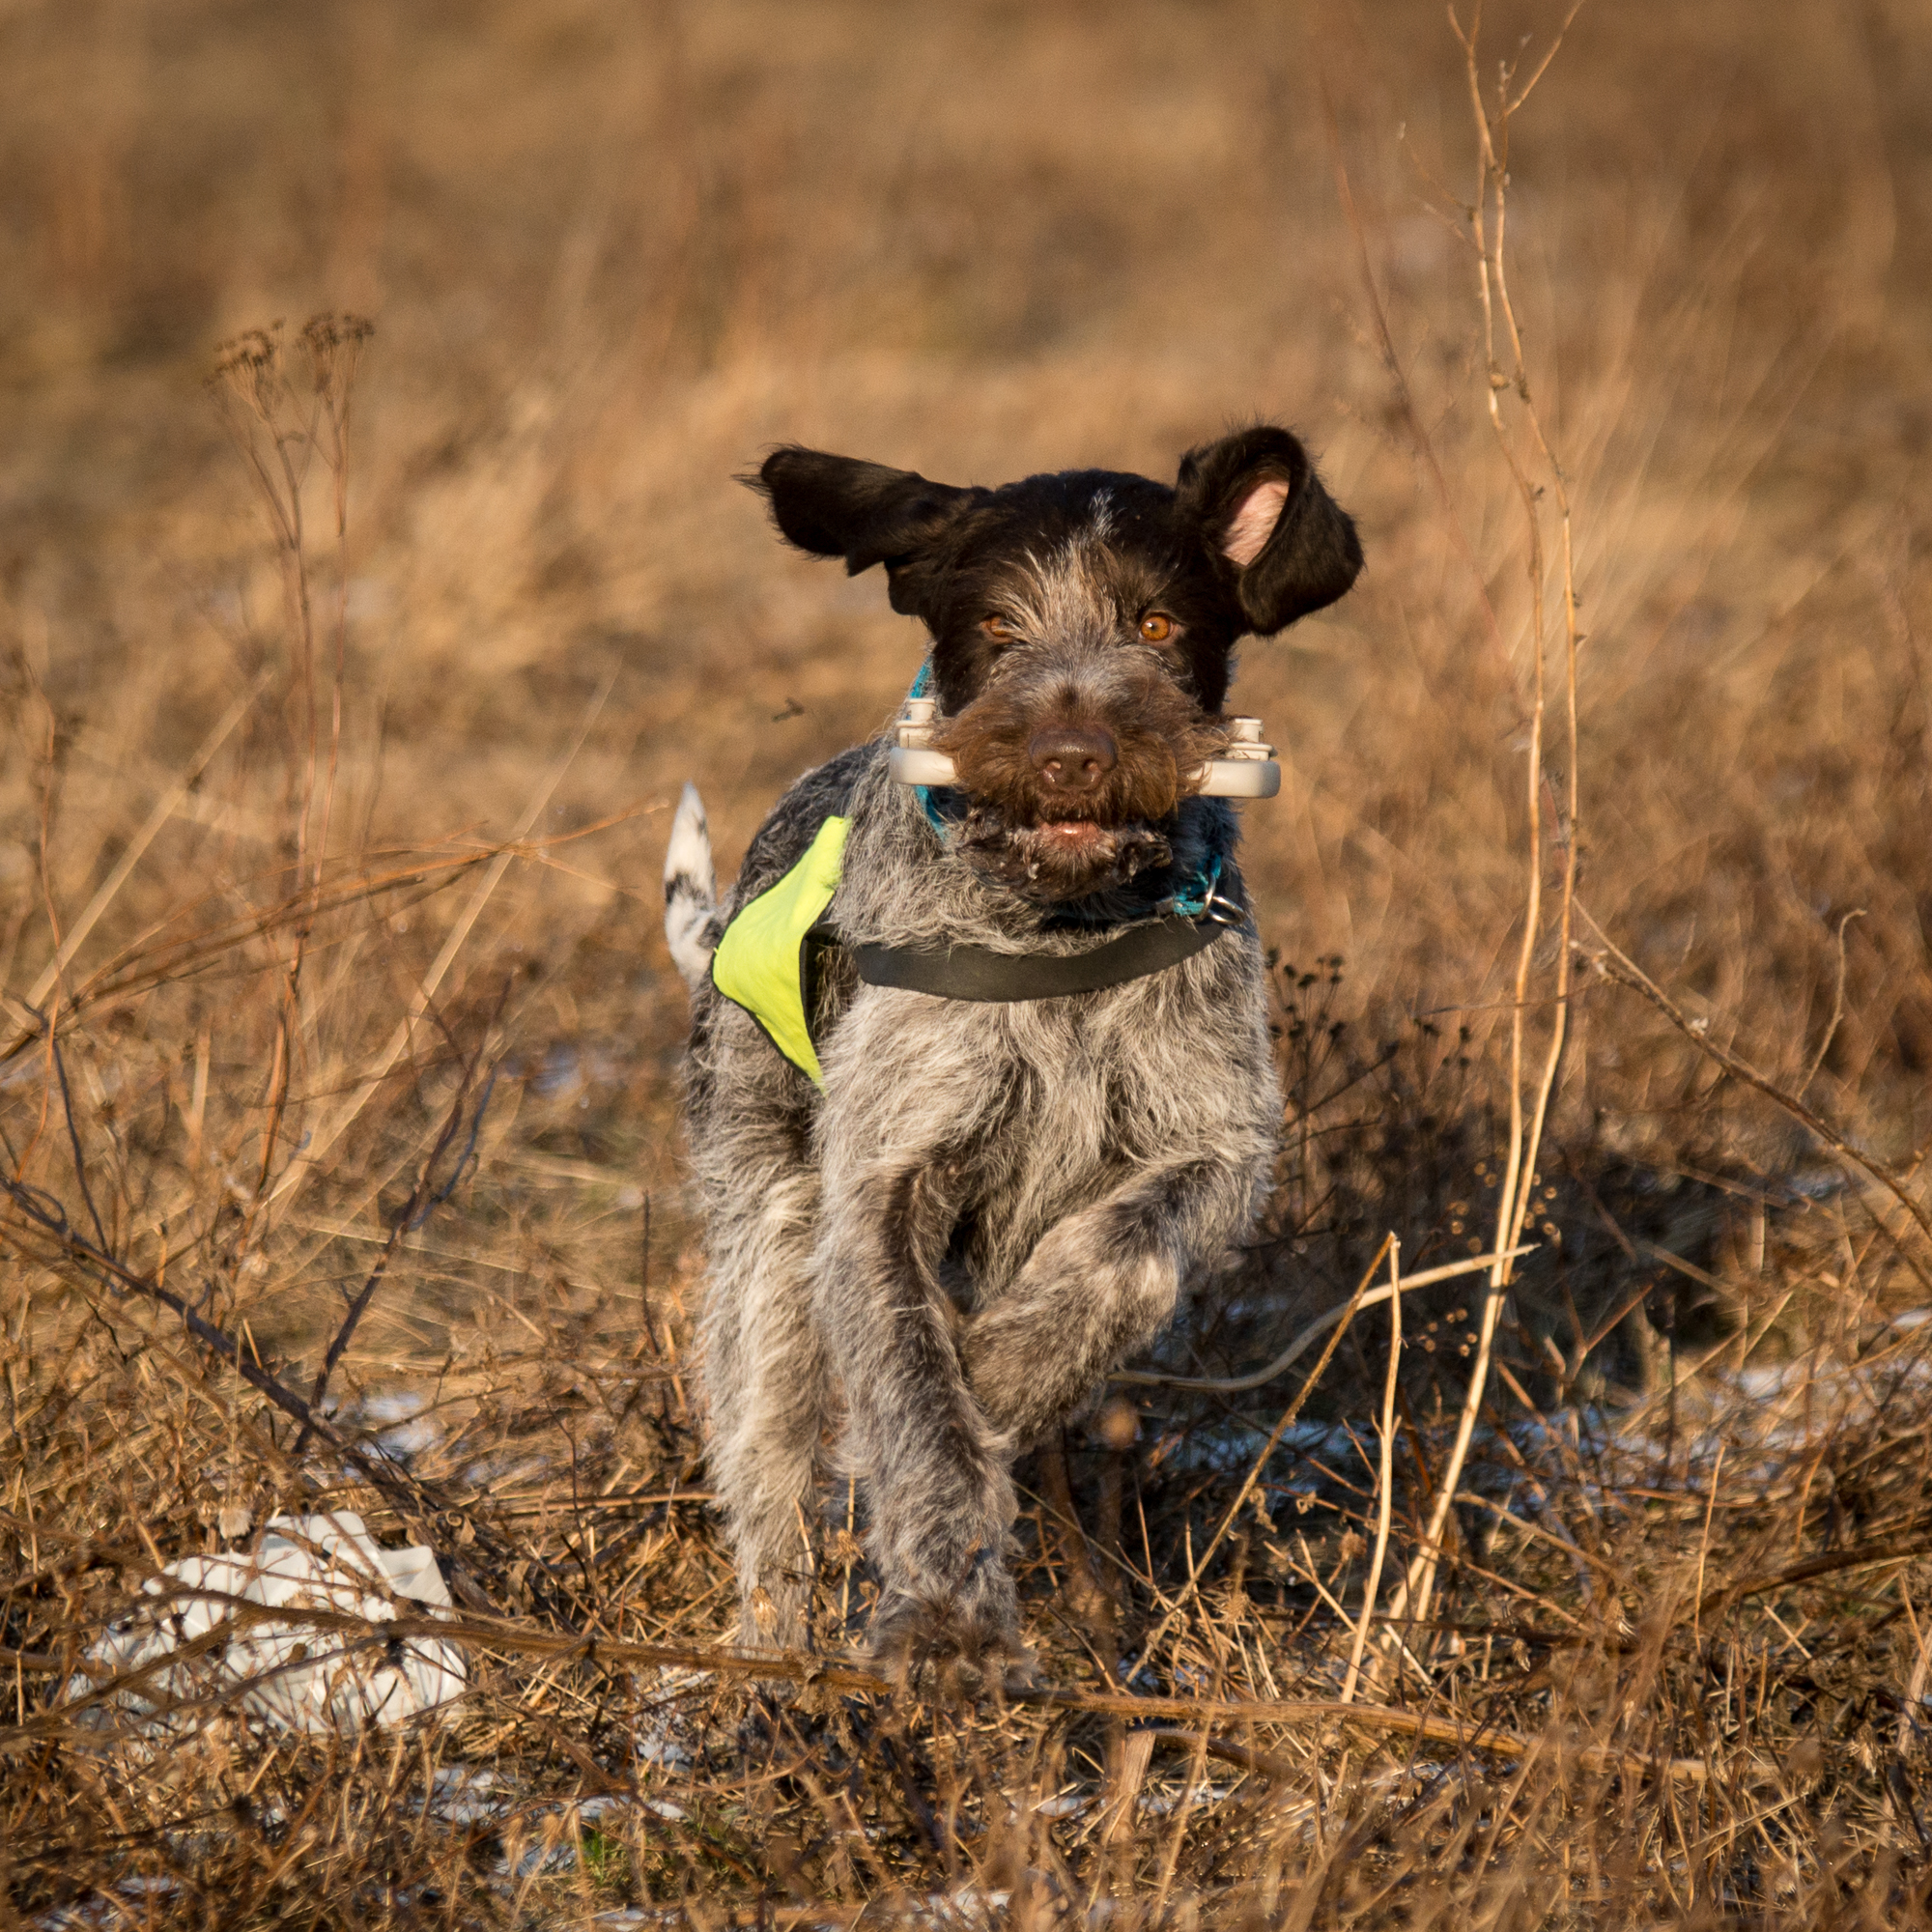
(690, 891)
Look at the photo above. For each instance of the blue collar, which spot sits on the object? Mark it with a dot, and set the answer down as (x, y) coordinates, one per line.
(1190, 902)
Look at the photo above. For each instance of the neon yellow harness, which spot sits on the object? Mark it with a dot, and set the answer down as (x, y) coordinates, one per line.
(760, 961)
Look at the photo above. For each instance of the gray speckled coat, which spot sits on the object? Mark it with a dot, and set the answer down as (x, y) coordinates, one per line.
(986, 1208)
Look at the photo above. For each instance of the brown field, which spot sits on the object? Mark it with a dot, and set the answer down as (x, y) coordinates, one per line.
(346, 684)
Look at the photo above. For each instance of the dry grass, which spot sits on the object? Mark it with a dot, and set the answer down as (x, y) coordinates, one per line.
(337, 1050)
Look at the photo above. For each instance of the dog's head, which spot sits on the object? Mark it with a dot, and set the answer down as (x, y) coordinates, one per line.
(1082, 627)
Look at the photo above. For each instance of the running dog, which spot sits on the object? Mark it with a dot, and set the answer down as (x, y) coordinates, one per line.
(980, 1075)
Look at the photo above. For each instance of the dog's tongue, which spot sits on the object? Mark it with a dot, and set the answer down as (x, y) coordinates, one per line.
(1073, 833)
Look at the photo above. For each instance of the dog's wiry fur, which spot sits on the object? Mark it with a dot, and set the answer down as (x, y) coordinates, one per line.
(988, 1205)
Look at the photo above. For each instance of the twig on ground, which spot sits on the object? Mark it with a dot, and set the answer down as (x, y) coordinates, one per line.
(1897, 1548)
(1384, 1474)
(429, 1194)
(1315, 1329)
(828, 1672)
(1831, 1032)
(46, 1213)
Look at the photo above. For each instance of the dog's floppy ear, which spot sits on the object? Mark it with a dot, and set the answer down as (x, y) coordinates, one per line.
(1262, 512)
(868, 514)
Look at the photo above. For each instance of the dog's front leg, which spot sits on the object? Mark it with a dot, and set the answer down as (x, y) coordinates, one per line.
(940, 1495)
(1099, 1285)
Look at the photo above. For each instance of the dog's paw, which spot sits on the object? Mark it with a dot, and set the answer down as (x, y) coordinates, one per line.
(947, 1651)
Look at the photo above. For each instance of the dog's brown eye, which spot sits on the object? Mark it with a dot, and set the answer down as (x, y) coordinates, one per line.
(999, 630)
(1156, 627)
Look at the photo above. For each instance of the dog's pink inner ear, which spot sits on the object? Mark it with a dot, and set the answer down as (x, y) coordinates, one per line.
(1254, 522)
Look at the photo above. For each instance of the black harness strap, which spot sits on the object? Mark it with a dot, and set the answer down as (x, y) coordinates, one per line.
(973, 972)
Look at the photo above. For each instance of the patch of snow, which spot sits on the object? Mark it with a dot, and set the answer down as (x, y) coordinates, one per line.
(295, 1674)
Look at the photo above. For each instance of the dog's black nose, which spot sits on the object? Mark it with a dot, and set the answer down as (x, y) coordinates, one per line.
(1072, 760)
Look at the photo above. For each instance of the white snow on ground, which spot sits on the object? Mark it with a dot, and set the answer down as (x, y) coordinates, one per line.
(293, 1674)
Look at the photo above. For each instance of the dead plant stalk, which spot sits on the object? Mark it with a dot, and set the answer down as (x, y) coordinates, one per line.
(1384, 1475)
(1487, 218)
(279, 437)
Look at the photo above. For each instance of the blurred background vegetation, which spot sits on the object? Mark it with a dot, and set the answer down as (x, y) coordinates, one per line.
(615, 251)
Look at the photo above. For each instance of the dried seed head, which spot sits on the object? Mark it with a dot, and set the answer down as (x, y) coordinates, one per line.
(249, 352)
(333, 343)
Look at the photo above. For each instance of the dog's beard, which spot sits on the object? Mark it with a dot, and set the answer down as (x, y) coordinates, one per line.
(1059, 860)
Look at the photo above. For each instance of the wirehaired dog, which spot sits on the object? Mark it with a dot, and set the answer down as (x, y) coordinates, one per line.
(989, 1194)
